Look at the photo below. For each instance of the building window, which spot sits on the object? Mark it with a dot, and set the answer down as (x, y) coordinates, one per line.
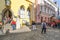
(28, 13)
(45, 9)
(48, 10)
(22, 12)
(51, 12)
(41, 8)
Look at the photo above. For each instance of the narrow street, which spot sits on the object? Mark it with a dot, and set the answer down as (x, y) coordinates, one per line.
(52, 34)
(19, 17)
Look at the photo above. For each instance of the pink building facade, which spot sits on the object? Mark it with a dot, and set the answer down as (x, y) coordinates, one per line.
(45, 9)
(37, 11)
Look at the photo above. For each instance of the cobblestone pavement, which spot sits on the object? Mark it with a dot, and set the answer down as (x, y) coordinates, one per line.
(52, 34)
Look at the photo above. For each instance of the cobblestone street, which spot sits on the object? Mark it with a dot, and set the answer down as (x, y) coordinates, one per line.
(52, 34)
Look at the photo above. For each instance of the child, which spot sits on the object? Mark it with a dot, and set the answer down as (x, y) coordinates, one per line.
(13, 23)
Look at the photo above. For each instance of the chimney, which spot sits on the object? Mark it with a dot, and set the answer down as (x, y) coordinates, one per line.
(55, 2)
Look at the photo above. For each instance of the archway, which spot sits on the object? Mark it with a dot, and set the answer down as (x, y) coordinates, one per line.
(6, 14)
(28, 12)
(21, 12)
(28, 15)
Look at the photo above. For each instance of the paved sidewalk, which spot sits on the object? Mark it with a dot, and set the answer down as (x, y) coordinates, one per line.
(24, 29)
(1, 33)
(52, 34)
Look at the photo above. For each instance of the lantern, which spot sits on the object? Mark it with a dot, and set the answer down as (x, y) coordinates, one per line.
(7, 2)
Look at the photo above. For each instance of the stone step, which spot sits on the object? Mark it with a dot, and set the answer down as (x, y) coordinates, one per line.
(1, 33)
(24, 29)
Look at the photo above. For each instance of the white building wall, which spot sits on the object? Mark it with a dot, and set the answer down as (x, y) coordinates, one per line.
(41, 2)
(52, 4)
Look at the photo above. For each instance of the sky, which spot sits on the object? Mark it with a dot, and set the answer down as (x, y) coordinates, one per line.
(58, 2)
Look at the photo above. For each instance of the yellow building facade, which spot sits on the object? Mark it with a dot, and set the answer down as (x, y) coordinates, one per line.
(2, 6)
(22, 8)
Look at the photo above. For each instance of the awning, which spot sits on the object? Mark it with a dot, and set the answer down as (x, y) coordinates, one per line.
(57, 21)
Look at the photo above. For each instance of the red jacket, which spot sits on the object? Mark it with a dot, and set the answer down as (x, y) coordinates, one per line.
(13, 22)
(0, 23)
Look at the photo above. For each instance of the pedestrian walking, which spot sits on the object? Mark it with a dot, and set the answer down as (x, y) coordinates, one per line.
(33, 25)
(43, 27)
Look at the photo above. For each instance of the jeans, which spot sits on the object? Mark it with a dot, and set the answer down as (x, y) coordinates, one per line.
(34, 27)
(43, 30)
(14, 27)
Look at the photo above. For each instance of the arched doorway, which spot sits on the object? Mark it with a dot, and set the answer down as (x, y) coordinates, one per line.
(28, 15)
(21, 12)
(28, 12)
(6, 14)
